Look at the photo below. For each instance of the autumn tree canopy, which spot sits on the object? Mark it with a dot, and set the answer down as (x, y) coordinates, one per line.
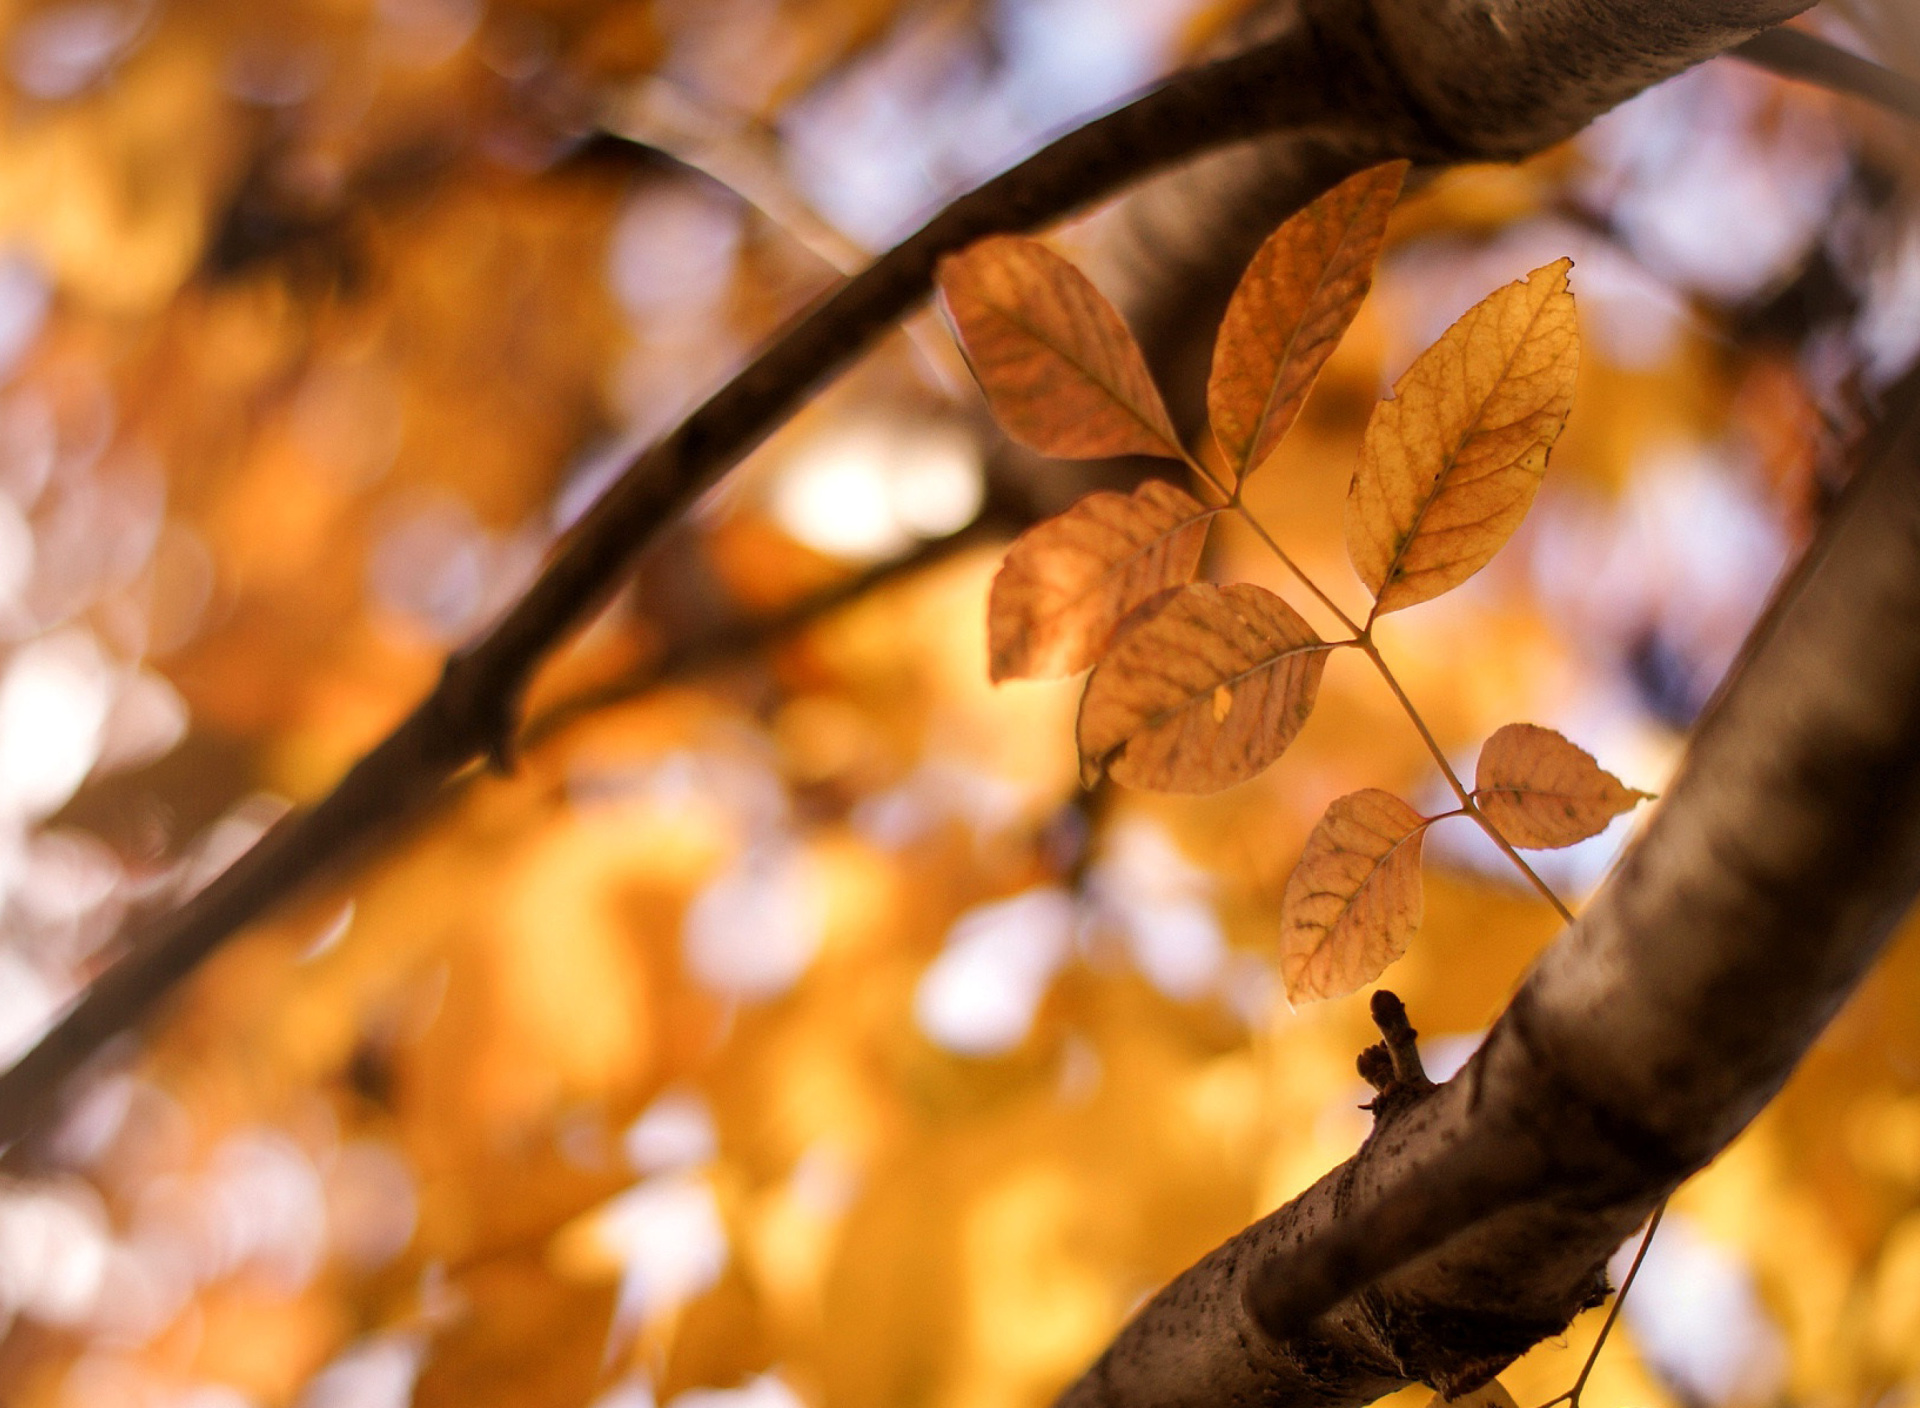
(736, 705)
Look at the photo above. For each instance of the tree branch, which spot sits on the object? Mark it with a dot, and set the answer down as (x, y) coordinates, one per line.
(1357, 80)
(1796, 54)
(1478, 1216)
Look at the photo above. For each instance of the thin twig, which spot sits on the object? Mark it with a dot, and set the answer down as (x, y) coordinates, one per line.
(1467, 804)
(744, 637)
(1572, 1396)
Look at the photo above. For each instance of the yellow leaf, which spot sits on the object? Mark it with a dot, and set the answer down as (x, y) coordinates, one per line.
(1353, 903)
(1451, 463)
(1068, 582)
(1541, 791)
(1491, 1394)
(1295, 301)
(1059, 368)
(1157, 698)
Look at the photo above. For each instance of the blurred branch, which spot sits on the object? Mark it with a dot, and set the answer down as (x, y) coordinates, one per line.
(744, 637)
(1794, 53)
(739, 152)
(680, 658)
(1358, 83)
(1478, 1217)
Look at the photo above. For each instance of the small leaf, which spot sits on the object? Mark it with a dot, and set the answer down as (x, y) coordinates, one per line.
(1297, 298)
(1451, 464)
(1059, 368)
(1542, 792)
(1068, 582)
(1353, 903)
(1491, 1394)
(1204, 692)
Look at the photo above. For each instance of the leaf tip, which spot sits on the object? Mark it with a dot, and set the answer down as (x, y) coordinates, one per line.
(1558, 277)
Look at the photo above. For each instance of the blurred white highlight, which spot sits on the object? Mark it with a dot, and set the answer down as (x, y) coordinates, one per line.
(378, 1372)
(867, 491)
(762, 1391)
(65, 48)
(674, 1132)
(1160, 902)
(53, 706)
(29, 999)
(371, 1206)
(24, 297)
(147, 720)
(668, 1233)
(1697, 1318)
(756, 926)
(1714, 181)
(262, 1211)
(631, 1392)
(978, 998)
(673, 248)
(53, 1253)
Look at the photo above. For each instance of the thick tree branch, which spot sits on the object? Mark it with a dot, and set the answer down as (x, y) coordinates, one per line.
(1357, 80)
(1478, 1217)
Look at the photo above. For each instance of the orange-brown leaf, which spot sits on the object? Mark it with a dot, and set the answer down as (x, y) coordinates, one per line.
(1297, 298)
(1542, 792)
(1059, 368)
(1353, 903)
(1068, 582)
(1451, 463)
(1203, 693)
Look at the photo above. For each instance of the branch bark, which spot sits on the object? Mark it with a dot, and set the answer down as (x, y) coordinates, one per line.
(1477, 1218)
(1352, 81)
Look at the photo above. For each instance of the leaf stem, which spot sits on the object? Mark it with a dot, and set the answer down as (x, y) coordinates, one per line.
(1572, 1396)
(1234, 502)
(1230, 498)
(1363, 637)
(1467, 804)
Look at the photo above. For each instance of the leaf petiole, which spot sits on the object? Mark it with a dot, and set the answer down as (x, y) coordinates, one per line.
(1363, 639)
(1234, 502)
(1467, 804)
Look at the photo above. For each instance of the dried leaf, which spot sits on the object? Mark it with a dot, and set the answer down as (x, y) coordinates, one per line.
(1353, 903)
(1451, 463)
(1059, 368)
(1203, 693)
(1068, 582)
(1295, 301)
(1491, 1394)
(1542, 792)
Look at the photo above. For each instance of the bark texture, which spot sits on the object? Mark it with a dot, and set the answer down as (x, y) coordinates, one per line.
(1477, 1218)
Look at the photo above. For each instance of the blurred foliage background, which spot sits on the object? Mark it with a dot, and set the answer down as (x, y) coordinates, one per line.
(793, 1031)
